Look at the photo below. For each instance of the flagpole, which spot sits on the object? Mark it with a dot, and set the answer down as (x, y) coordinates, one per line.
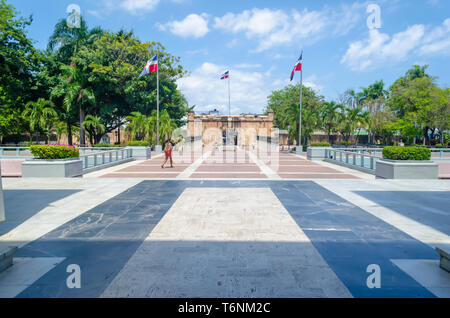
(300, 146)
(229, 95)
(157, 102)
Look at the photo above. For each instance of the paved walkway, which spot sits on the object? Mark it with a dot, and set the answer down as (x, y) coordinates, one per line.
(225, 238)
(234, 163)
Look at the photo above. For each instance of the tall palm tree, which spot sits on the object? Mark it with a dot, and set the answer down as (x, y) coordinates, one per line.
(41, 115)
(77, 93)
(68, 41)
(95, 128)
(329, 114)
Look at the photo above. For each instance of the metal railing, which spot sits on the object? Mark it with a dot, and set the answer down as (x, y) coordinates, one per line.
(358, 159)
(24, 152)
(91, 157)
(101, 158)
(15, 152)
(440, 154)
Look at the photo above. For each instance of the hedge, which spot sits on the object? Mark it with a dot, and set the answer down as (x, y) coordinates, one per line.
(54, 151)
(320, 144)
(406, 153)
(138, 143)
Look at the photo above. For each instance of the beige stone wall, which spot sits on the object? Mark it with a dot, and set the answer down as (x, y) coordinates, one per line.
(247, 127)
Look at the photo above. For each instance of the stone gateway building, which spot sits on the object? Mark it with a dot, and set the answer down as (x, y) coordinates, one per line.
(238, 130)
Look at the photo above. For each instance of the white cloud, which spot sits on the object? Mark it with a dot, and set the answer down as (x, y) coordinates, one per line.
(272, 28)
(138, 7)
(249, 89)
(247, 66)
(311, 82)
(380, 49)
(193, 25)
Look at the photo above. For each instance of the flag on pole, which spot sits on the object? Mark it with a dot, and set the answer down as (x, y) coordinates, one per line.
(151, 66)
(297, 67)
(225, 75)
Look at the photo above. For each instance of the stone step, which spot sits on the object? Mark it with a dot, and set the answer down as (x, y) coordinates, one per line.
(6, 257)
(444, 252)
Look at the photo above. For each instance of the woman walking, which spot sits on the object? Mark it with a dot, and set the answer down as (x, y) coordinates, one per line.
(168, 147)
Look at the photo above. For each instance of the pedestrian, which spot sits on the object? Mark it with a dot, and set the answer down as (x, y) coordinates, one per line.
(168, 147)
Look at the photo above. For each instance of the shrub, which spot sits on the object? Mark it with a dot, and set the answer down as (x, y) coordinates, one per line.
(54, 151)
(407, 153)
(30, 143)
(104, 145)
(138, 143)
(320, 144)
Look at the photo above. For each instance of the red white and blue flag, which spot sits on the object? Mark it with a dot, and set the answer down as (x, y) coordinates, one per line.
(297, 67)
(151, 66)
(225, 75)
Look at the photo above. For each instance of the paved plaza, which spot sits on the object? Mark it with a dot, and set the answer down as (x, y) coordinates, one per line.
(217, 228)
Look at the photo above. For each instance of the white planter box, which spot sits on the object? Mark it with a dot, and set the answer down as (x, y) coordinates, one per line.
(399, 169)
(317, 153)
(141, 153)
(66, 168)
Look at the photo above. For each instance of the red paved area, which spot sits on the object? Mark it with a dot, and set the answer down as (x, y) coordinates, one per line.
(444, 170)
(231, 164)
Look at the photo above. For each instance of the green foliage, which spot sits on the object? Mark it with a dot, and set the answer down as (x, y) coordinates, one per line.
(105, 145)
(94, 127)
(407, 153)
(19, 62)
(320, 144)
(285, 104)
(54, 152)
(140, 143)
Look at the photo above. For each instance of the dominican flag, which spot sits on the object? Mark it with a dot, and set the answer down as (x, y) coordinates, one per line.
(151, 66)
(297, 67)
(225, 75)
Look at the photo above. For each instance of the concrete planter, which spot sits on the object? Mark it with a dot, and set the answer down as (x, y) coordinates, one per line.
(141, 153)
(65, 168)
(316, 153)
(400, 169)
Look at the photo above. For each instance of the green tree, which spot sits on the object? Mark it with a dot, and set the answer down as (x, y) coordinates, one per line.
(19, 62)
(77, 93)
(138, 126)
(330, 115)
(419, 104)
(41, 115)
(67, 41)
(114, 62)
(95, 129)
(285, 106)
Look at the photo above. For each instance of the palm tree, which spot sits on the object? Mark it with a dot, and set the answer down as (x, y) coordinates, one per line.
(138, 125)
(330, 116)
(166, 125)
(68, 41)
(95, 128)
(41, 115)
(77, 93)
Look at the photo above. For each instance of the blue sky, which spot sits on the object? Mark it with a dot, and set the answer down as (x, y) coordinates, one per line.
(260, 41)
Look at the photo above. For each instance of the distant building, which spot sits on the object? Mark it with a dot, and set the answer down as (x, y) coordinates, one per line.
(240, 130)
